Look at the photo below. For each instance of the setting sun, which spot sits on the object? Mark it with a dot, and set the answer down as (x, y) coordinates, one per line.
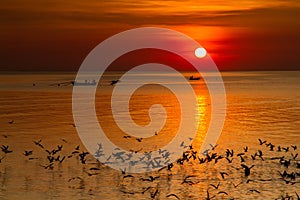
(200, 52)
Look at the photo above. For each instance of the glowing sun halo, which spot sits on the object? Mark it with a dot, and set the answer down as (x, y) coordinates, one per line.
(200, 52)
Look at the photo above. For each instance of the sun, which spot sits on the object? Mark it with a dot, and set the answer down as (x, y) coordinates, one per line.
(200, 52)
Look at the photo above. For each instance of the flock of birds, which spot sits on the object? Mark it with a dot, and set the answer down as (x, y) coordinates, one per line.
(239, 167)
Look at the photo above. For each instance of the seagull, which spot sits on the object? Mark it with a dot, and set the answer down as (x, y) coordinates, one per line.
(49, 166)
(286, 149)
(61, 160)
(249, 180)
(215, 186)
(261, 142)
(59, 147)
(27, 153)
(5, 149)
(213, 147)
(153, 194)
(38, 143)
(146, 189)
(279, 148)
(223, 174)
(170, 166)
(247, 169)
(294, 156)
(217, 158)
(254, 190)
(240, 154)
(229, 153)
(208, 198)
(260, 153)
(151, 178)
(242, 159)
(202, 160)
(229, 161)
(222, 192)
(272, 146)
(173, 195)
(185, 180)
(294, 147)
(235, 186)
(128, 176)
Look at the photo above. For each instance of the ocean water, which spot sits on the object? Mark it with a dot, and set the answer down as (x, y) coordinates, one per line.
(38, 106)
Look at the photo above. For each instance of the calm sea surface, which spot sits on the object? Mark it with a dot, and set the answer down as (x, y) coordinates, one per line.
(261, 105)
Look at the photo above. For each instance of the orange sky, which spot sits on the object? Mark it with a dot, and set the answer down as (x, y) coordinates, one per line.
(239, 35)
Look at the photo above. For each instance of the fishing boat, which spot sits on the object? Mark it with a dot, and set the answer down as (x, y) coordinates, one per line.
(85, 83)
(192, 78)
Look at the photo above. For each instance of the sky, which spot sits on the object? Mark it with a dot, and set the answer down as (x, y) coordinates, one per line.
(56, 35)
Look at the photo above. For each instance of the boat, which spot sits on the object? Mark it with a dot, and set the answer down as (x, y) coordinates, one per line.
(85, 83)
(192, 78)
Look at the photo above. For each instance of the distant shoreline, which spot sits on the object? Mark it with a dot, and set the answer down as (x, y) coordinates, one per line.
(74, 72)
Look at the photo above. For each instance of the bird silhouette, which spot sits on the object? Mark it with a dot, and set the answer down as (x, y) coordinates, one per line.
(173, 195)
(151, 178)
(27, 153)
(154, 193)
(235, 186)
(128, 176)
(5, 149)
(254, 190)
(261, 142)
(49, 166)
(229, 161)
(186, 180)
(223, 174)
(38, 143)
(215, 186)
(223, 192)
(286, 149)
(242, 159)
(294, 156)
(229, 153)
(294, 147)
(208, 197)
(247, 169)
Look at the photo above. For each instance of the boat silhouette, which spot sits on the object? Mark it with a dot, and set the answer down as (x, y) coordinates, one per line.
(192, 78)
(85, 83)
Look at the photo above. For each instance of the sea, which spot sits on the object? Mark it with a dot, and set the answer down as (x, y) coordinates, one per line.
(44, 155)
